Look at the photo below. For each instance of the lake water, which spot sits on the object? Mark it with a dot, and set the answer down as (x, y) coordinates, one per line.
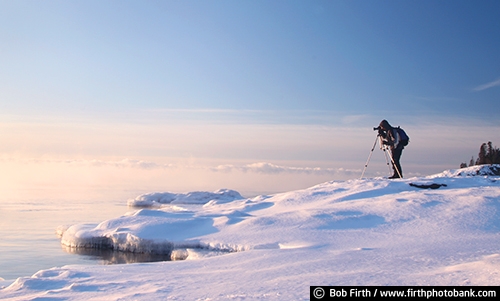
(29, 219)
(28, 240)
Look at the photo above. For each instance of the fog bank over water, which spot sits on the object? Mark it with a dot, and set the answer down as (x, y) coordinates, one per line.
(183, 154)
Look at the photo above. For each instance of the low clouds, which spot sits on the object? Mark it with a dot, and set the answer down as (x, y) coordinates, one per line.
(258, 167)
(124, 163)
(81, 176)
(269, 168)
(127, 163)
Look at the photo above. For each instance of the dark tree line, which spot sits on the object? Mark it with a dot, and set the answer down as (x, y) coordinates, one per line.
(487, 155)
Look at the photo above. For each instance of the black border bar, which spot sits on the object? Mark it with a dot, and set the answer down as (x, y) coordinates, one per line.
(403, 292)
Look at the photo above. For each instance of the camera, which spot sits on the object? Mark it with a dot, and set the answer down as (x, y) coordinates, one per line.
(381, 131)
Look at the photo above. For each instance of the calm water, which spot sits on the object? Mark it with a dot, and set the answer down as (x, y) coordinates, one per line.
(28, 242)
(29, 219)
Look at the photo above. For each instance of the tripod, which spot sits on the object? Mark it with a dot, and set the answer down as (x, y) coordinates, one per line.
(387, 154)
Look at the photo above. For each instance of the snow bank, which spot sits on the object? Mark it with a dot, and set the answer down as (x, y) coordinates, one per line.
(161, 231)
(157, 232)
(144, 231)
(196, 197)
(477, 170)
(356, 232)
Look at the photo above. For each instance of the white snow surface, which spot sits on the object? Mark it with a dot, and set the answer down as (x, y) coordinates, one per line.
(356, 232)
(196, 197)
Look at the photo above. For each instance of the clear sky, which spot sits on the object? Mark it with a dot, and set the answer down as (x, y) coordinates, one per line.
(251, 95)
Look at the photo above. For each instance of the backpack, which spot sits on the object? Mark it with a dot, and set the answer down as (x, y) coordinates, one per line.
(403, 137)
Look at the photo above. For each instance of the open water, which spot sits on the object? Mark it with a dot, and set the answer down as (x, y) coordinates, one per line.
(29, 220)
(28, 240)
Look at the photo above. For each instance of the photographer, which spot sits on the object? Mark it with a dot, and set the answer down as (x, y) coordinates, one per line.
(390, 136)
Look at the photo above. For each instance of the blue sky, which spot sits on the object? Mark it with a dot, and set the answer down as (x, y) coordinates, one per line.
(303, 82)
(350, 56)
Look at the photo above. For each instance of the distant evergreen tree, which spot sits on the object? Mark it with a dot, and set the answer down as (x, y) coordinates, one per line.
(493, 154)
(487, 155)
(490, 156)
(481, 157)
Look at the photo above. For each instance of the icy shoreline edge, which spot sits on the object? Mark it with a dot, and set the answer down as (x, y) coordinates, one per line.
(355, 232)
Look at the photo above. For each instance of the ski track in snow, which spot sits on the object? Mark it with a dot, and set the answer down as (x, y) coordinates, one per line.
(356, 232)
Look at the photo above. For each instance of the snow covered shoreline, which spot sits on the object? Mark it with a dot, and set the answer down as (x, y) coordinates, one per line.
(196, 197)
(356, 232)
(155, 231)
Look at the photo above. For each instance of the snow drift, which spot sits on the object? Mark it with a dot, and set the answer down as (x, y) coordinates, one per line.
(161, 231)
(156, 232)
(478, 170)
(356, 232)
(144, 231)
(196, 197)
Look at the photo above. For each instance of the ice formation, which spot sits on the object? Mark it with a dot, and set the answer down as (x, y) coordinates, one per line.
(196, 197)
(356, 232)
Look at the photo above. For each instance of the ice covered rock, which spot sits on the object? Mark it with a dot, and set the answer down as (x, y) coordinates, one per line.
(477, 170)
(144, 231)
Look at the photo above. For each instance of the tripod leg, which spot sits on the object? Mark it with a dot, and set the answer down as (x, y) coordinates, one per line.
(383, 147)
(395, 167)
(369, 157)
(387, 159)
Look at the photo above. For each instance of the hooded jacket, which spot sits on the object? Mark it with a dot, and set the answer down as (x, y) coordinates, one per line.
(392, 136)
